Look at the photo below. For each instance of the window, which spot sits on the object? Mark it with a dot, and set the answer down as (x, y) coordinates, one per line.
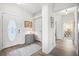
(12, 30)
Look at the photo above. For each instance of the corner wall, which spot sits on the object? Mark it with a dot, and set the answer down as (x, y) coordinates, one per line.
(48, 32)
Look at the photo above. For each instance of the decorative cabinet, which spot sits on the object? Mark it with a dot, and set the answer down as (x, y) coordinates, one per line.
(29, 38)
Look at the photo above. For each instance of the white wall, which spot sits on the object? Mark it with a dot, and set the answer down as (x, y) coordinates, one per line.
(0, 31)
(76, 29)
(38, 28)
(51, 30)
(45, 29)
(48, 33)
(59, 26)
(15, 10)
(37, 25)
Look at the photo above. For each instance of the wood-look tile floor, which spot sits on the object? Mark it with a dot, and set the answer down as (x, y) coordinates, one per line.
(63, 48)
(5, 51)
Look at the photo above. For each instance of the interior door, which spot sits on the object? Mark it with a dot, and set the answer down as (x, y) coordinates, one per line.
(10, 30)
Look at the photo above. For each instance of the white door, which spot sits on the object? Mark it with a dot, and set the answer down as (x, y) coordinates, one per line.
(11, 35)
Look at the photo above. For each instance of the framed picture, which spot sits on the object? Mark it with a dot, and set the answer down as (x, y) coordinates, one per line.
(28, 24)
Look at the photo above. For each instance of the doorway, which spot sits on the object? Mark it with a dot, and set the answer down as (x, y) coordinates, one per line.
(66, 25)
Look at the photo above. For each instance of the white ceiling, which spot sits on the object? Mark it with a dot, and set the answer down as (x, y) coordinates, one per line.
(31, 7)
(34, 8)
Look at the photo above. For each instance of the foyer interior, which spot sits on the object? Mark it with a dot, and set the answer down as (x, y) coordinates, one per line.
(39, 29)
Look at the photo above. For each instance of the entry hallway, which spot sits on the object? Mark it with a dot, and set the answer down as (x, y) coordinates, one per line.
(39, 29)
(63, 48)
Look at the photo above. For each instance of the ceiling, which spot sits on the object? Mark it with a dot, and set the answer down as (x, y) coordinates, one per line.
(32, 8)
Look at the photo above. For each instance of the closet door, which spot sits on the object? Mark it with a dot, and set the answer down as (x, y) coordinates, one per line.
(0, 31)
(9, 30)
